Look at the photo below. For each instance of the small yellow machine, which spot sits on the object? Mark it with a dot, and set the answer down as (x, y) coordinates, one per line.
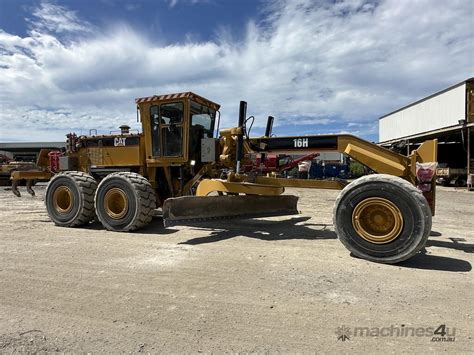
(178, 164)
(7, 166)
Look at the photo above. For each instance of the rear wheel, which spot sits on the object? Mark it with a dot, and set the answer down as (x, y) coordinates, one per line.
(69, 198)
(124, 202)
(460, 181)
(382, 218)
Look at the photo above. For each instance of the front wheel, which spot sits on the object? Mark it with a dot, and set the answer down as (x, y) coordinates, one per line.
(124, 202)
(382, 218)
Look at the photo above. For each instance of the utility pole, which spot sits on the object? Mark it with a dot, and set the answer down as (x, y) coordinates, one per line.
(468, 154)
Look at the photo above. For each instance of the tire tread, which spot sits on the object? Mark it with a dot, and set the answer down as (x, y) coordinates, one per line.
(401, 183)
(87, 186)
(146, 200)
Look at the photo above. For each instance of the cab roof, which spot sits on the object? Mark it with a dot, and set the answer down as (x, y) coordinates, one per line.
(181, 95)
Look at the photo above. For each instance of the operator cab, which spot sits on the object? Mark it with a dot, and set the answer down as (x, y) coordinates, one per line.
(173, 126)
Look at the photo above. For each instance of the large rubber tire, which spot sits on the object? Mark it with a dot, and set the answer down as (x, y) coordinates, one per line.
(460, 182)
(132, 190)
(412, 206)
(69, 199)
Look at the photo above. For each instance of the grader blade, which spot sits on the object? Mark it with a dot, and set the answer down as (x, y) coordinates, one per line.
(191, 209)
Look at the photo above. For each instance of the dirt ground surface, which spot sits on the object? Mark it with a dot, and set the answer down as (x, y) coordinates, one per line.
(281, 284)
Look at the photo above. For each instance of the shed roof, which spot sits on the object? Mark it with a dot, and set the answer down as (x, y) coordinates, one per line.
(470, 80)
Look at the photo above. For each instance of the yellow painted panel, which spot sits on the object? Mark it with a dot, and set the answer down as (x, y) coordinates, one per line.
(114, 156)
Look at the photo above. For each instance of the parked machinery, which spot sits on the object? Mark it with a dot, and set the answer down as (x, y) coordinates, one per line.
(8, 166)
(174, 163)
(275, 164)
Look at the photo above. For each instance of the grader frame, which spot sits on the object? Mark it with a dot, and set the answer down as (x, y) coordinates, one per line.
(175, 163)
(378, 159)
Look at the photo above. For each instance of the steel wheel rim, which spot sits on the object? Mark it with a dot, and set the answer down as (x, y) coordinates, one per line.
(63, 199)
(377, 220)
(116, 203)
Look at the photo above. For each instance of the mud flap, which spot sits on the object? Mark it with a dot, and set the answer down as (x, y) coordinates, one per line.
(192, 209)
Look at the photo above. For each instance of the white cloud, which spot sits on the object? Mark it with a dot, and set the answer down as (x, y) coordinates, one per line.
(306, 63)
(173, 3)
(58, 19)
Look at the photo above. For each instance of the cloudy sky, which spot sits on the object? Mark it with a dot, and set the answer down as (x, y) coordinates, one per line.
(317, 66)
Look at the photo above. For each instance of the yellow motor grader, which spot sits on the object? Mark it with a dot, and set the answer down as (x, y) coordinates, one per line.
(178, 164)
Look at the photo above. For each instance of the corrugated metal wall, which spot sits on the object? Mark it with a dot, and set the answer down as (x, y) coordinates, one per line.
(437, 112)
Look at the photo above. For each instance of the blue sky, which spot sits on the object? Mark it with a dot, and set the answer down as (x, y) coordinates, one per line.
(171, 22)
(317, 66)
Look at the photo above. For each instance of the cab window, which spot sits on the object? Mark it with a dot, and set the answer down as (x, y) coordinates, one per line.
(155, 130)
(167, 129)
(203, 117)
(171, 116)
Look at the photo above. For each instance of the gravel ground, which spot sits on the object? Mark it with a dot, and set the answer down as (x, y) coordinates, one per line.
(268, 285)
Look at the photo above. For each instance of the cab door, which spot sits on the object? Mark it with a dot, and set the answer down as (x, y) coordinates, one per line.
(202, 120)
(167, 130)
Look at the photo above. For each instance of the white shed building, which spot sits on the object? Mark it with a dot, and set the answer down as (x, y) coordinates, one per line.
(443, 110)
(447, 115)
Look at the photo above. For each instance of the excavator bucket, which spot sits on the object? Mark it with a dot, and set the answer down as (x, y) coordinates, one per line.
(192, 209)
